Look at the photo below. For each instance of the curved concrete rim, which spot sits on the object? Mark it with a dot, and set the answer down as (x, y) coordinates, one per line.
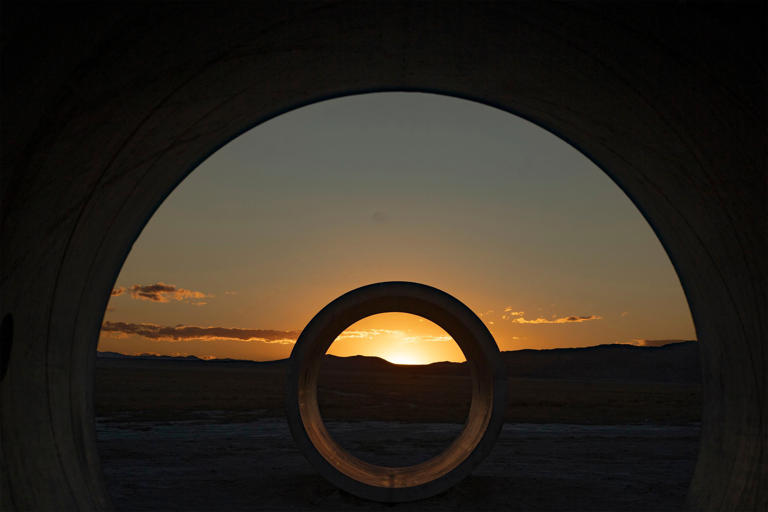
(406, 483)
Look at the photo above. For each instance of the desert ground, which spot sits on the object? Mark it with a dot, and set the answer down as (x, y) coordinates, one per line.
(195, 435)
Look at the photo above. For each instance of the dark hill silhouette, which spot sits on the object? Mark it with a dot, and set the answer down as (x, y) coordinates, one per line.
(675, 362)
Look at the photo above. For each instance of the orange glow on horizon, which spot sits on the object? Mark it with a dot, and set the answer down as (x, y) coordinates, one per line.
(400, 338)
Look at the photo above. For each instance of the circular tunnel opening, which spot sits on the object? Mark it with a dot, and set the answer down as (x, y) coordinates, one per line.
(404, 400)
(559, 264)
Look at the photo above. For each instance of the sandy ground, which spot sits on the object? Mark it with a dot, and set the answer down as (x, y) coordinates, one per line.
(254, 465)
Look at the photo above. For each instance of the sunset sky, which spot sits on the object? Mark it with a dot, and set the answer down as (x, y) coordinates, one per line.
(484, 205)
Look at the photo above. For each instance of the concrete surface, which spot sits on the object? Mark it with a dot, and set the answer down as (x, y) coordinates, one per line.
(107, 106)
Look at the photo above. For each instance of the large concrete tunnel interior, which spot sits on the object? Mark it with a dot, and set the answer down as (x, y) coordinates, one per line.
(107, 108)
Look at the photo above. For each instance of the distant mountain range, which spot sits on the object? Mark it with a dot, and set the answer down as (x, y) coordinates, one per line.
(675, 362)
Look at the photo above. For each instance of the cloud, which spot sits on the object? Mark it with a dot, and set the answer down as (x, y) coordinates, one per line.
(416, 339)
(161, 292)
(654, 343)
(563, 320)
(191, 332)
(206, 357)
(369, 333)
(509, 312)
(437, 338)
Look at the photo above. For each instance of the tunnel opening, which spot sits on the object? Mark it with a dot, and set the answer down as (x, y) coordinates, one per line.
(401, 408)
(589, 392)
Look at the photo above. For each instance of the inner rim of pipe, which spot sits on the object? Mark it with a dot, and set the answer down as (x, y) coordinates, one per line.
(403, 476)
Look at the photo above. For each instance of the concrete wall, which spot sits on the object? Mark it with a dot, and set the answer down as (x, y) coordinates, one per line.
(106, 107)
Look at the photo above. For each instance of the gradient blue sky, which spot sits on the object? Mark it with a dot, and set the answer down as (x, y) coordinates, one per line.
(394, 186)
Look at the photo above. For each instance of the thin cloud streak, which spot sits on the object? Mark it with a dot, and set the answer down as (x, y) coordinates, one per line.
(369, 333)
(417, 339)
(160, 292)
(517, 317)
(509, 312)
(205, 357)
(191, 332)
(437, 338)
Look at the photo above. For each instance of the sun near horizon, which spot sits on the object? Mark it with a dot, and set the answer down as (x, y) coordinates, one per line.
(400, 338)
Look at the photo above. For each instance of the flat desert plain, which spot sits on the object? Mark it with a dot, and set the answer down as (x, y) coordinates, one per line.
(605, 428)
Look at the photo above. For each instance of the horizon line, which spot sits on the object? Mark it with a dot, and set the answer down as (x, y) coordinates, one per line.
(212, 358)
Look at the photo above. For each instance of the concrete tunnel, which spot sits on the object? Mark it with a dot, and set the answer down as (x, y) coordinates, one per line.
(106, 107)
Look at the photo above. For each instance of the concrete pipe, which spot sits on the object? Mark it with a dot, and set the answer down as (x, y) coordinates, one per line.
(394, 484)
(107, 106)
